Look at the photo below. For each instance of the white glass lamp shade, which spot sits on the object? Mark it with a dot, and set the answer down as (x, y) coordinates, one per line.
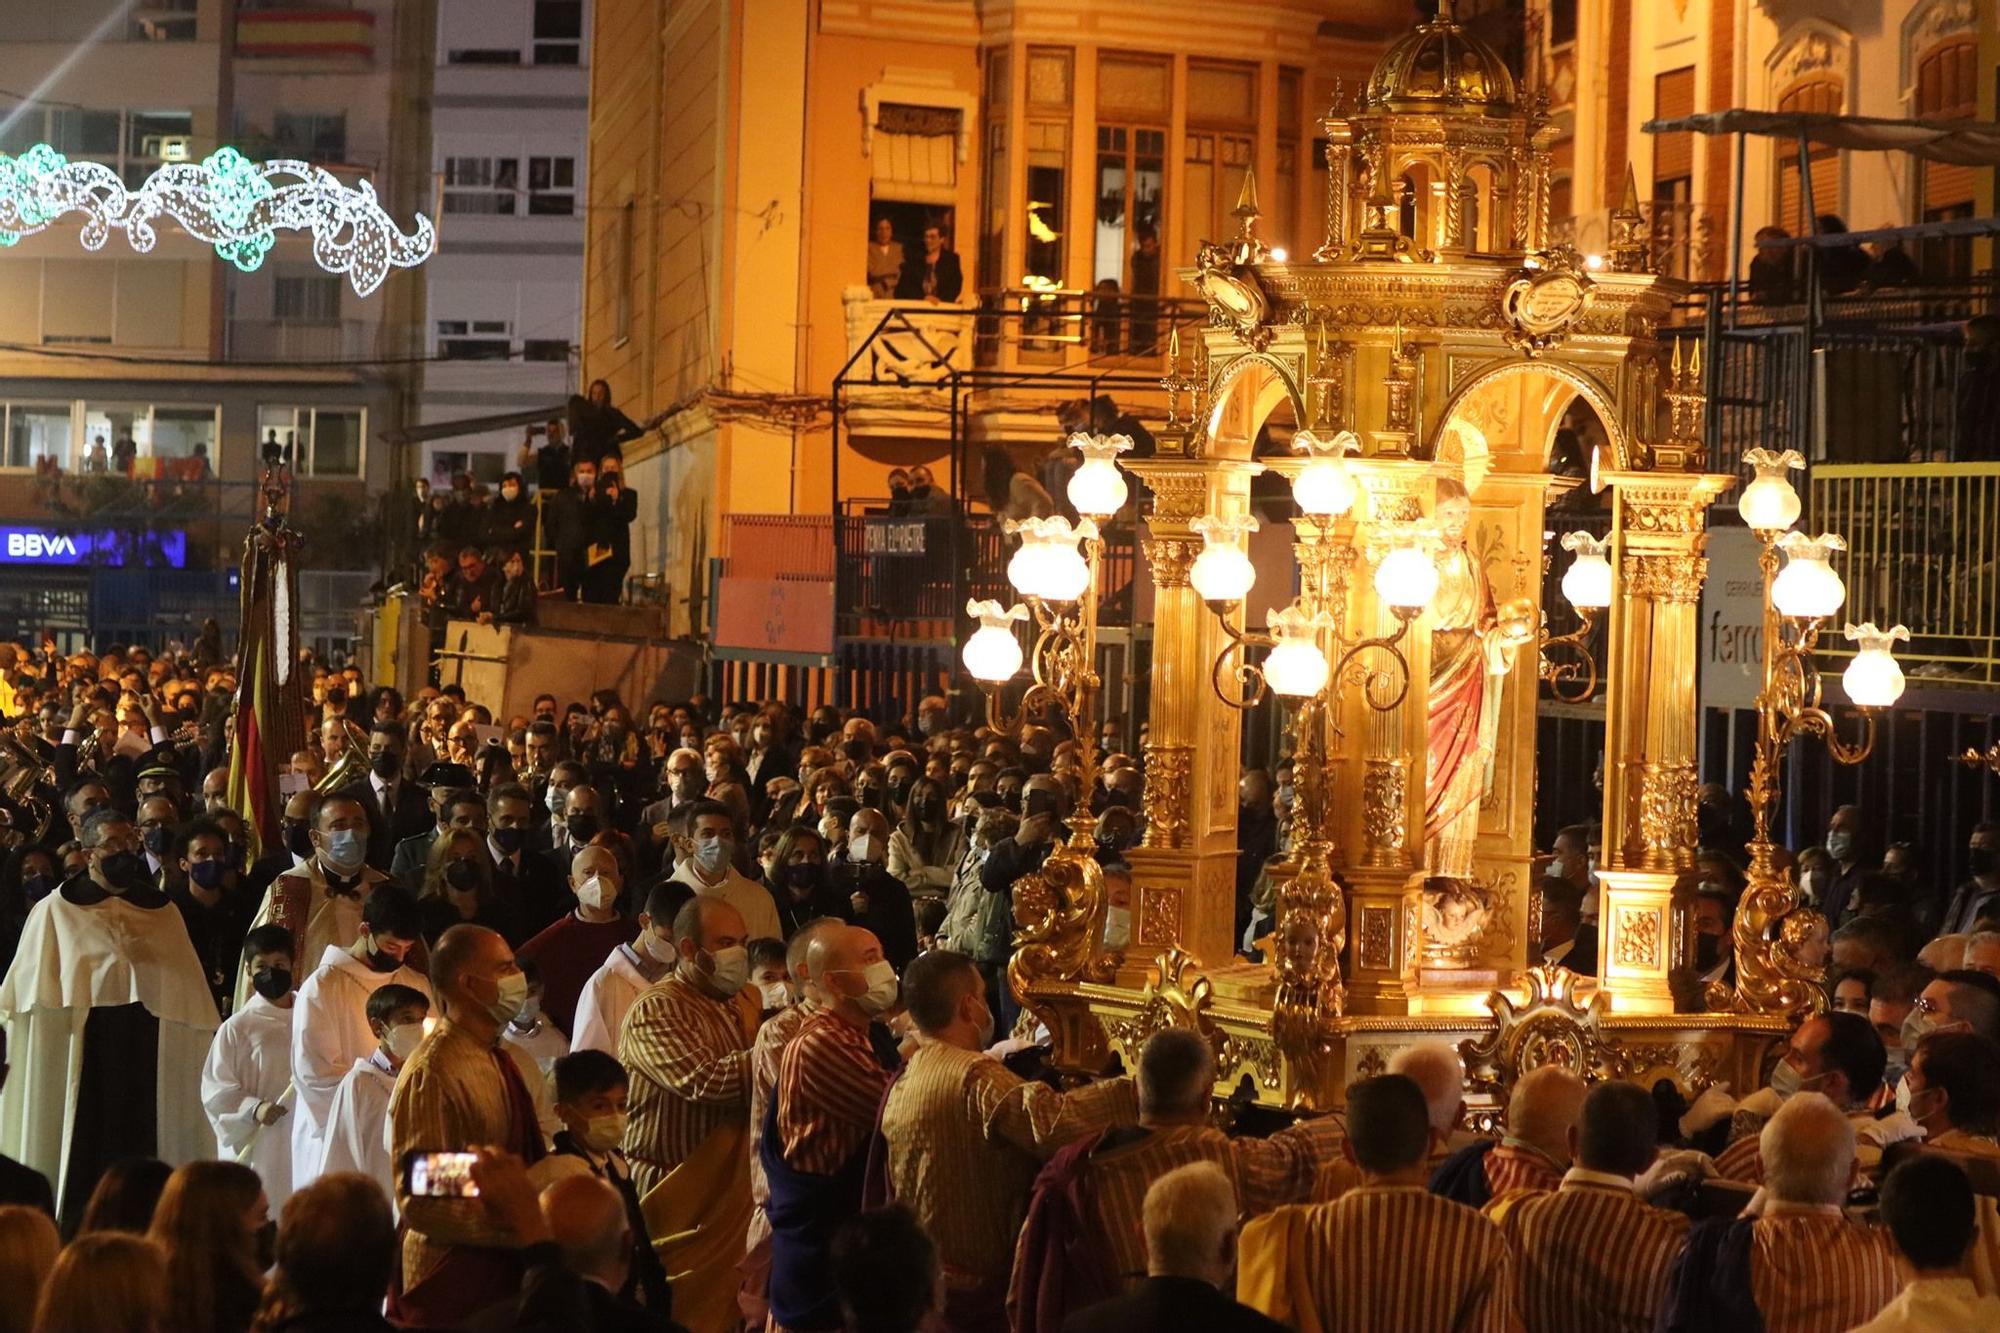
(1024, 567)
(1324, 488)
(1407, 578)
(1048, 564)
(992, 654)
(1769, 503)
(1096, 489)
(1873, 679)
(1223, 572)
(1807, 587)
(1296, 668)
(1587, 581)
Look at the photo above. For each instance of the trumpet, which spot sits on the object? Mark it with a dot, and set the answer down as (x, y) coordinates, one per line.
(21, 772)
(352, 765)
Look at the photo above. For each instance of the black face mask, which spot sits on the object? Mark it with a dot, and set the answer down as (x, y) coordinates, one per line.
(858, 751)
(387, 765)
(159, 840)
(267, 1244)
(1707, 951)
(508, 840)
(899, 792)
(1983, 860)
(1011, 798)
(208, 874)
(802, 878)
(125, 870)
(272, 982)
(689, 783)
(1039, 803)
(298, 839)
(871, 797)
(37, 887)
(899, 491)
(461, 874)
(582, 827)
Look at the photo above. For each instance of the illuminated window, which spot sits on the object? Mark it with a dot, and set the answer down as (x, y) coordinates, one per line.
(552, 185)
(319, 441)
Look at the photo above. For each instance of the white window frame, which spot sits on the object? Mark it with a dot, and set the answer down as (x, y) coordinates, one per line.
(305, 430)
(504, 200)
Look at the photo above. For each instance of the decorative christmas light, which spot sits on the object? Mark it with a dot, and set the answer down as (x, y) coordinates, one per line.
(226, 200)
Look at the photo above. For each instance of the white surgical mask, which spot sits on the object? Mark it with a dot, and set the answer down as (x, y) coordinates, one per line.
(595, 894)
(403, 1040)
(510, 997)
(729, 968)
(861, 847)
(1117, 927)
(661, 950)
(602, 1133)
(776, 994)
(880, 997)
(344, 851)
(711, 858)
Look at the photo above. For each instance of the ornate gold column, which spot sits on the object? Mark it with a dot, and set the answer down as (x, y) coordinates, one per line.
(1659, 521)
(1184, 871)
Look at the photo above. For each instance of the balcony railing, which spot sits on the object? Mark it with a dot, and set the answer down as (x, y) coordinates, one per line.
(1686, 238)
(1923, 550)
(1069, 328)
(297, 340)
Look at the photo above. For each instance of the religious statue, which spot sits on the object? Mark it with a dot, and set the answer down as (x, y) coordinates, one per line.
(1472, 649)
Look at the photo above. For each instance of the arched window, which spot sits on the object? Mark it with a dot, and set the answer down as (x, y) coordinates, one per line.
(1947, 90)
(1820, 93)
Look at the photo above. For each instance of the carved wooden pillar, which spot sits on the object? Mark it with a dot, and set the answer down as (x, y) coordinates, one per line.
(1658, 522)
(1184, 871)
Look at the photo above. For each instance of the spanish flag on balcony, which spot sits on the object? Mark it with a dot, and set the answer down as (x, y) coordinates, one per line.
(269, 721)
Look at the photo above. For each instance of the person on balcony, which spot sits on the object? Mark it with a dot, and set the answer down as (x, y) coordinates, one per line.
(1977, 439)
(597, 429)
(1842, 268)
(96, 460)
(1772, 269)
(510, 520)
(927, 500)
(1890, 265)
(1012, 493)
(934, 275)
(885, 260)
(1145, 298)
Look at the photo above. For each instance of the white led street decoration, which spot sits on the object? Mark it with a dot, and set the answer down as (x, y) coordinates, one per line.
(226, 200)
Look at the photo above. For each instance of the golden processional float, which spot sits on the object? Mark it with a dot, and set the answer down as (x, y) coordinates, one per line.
(1423, 359)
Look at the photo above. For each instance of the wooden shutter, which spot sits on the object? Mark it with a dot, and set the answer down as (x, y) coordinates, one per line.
(1822, 95)
(1946, 91)
(1673, 154)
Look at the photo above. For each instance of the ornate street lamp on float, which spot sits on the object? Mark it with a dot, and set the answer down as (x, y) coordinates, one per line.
(1798, 595)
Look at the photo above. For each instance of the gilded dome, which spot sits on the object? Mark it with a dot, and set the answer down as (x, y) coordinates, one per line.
(1441, 68)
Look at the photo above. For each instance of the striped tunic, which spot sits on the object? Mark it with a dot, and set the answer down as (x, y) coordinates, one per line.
(1982, 1261)
(1811, 1270)
(688, 1058)
(765, 1052)
(1590, 1257)
(1516, 1166)
(1743, 1159)
(1381, 1259)
(966, 1136)
(1266, 1172)
(830, 1086)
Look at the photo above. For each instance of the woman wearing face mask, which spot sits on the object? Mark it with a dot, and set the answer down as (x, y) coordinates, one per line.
(798, 879)
(510, 519)
(514, 604)
(214, 1224)
(458, 886)
(926, 846)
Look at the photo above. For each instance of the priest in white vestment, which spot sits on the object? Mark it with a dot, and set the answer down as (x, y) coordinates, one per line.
(320, 899)
(108, 1017)
(331, 1031)
(608, 996)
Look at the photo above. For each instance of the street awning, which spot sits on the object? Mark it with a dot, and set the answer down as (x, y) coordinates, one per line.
(1965, 143)
(447, 430)
(1915, 231)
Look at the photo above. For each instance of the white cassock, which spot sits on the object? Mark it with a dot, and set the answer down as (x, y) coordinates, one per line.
(334, 919)
(607, 997)
(543, 1043)
(250, 1064)
(355, 1137)
(329, 1033)
(77, 957)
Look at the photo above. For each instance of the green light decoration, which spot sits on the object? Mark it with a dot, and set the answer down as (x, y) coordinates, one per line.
(226, 200)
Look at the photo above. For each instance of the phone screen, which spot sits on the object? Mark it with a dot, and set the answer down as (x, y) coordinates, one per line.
(439, 1175)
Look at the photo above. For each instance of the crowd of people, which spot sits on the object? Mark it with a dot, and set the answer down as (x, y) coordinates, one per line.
(697, 1016)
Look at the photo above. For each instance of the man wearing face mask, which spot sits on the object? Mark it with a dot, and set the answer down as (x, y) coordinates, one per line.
(246, 1083)
(442, 783)
(629, 970)
(108, 1020)
(463, 1087)
(1843, 845)
(569, 951)
(686, 1046)
(1835, 1054)
(966, 1135)
(874, 898)
(820, 1122)
(216, 914)
(1980, 894)
(684, 776)
(157, 820)
(1957, 1001)
(396, 807)
(320, 901)
(330, 1031)
(553, 834)
(708, 866)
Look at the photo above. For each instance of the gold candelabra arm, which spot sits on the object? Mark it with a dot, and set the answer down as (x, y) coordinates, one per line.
(1239, 682)
(1394, 676)
(1573, 681)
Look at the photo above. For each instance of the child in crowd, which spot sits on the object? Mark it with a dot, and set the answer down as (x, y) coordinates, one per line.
(398, 1016)
(246, 1082)
(768, 974)
(530, 1030)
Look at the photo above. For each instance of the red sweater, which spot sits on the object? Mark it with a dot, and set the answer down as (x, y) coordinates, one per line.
(567, 954)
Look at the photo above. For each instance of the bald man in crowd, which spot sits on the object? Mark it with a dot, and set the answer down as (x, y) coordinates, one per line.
(462, 1088)
(686, 1046)
(966, 1135)
(1066, 1260)
(570, 951)
(1541, 1122)
(1799, 1265)
(821, 1119)
(1439, 1073)
(1590, 1256)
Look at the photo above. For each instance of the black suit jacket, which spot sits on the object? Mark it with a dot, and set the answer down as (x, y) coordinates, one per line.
(539, 894)
(411, 816)
(1170, 1305)
(25, 1185)
(950, 277)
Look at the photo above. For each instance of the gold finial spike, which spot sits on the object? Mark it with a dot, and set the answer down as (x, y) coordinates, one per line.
(1174, 346)
(1677, 361)
(1630, 203)
(1694, 363)
(1246, 199)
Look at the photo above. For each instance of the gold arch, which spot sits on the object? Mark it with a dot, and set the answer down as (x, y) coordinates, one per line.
(1583, 385)
(1274, 386)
